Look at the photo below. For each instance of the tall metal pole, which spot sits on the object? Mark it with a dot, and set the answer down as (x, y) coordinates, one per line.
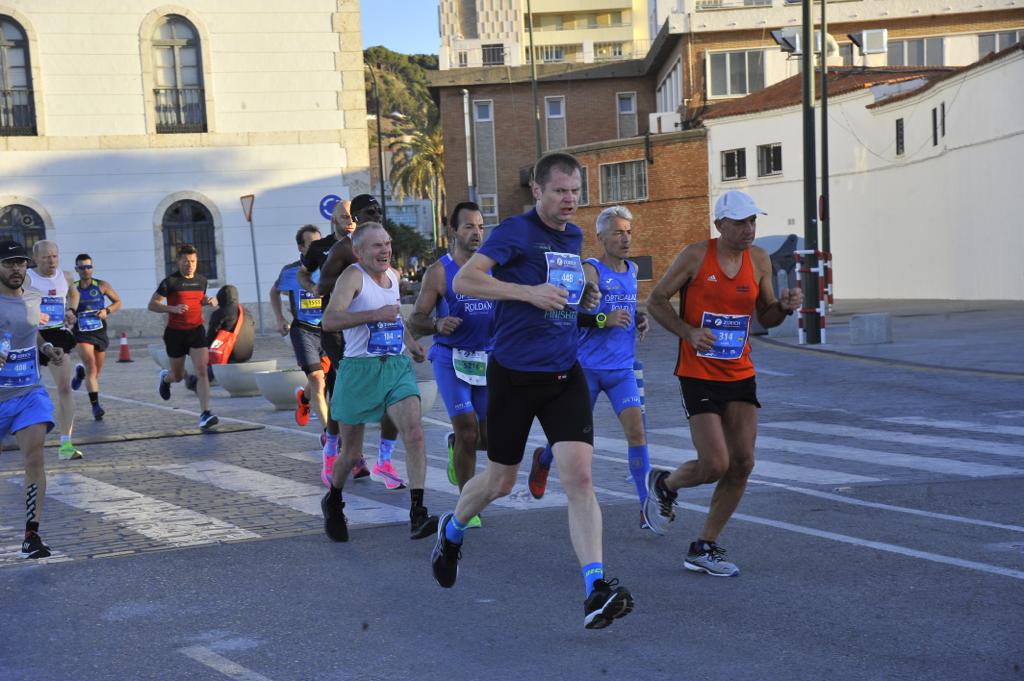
(533, 80)
(256, 269)
(826, 244)
(471, 188)
(380, 148)
(812, 325)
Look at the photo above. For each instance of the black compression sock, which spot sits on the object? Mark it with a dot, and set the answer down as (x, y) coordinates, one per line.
(417, 497)
(94, 398)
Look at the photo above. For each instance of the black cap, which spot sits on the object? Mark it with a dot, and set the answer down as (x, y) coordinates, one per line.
(361, 203)
(12, 250)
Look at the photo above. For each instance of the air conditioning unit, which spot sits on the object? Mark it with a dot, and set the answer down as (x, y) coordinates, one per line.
(664, 122)
(871, 41)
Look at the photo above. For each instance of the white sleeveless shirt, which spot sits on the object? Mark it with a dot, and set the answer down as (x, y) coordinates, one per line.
(54, 291)
(375, 339)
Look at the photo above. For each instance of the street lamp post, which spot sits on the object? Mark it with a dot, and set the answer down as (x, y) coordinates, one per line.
(380, 147)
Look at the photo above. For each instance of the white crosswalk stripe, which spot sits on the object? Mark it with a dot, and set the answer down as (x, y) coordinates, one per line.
(969, 426)
(958, 443)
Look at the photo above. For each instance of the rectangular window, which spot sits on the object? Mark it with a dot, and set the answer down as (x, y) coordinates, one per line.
(994, 42)
(489, 207)
(494, 55)
(584, 189)
(736, 73)
(482, 111)
(846, 52)
(916, 52)
(899, 136)
(463, 59)
(627, 102)
(555, 107)
(769, 160)
(734, 164)
(624, 182)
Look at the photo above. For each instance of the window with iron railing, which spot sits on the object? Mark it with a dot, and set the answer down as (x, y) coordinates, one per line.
(22, 224)
(17, 105)
(190, 222)
(624, 182)
(493, 55)
(179, 97)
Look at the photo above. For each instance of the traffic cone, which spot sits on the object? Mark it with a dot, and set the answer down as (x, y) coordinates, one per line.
(125, 354)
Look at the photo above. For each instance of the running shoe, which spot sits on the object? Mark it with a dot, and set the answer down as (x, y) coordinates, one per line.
(191, 382)
(386, 473)
(76, 380)
(67, 452)
(643, 520)
(608, 601)
(421, 523)
(33, 546)
(327, 471)
(163, 387)
(444, 559)
(360, 470)
(98, 411)
(538, 480)
(709, 557)
(335, 524)
(659, 506)
(302, 409)
(207, 420)
(449, 441)
(474, 522)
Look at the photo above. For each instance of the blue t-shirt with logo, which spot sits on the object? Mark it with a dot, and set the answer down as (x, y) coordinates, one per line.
(528, 252)
(612, 347)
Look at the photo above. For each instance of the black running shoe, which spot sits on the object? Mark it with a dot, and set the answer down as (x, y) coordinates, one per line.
(421, 523)
(163, 387)
(76, 380)
(335, 524)
(207, 420)
(608, 601)
(191, 381)
(33, 546)
(444, 559)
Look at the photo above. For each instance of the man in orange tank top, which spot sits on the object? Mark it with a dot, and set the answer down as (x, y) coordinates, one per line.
(723, 282)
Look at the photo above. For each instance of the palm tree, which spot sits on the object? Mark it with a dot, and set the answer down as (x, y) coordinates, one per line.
(418, 170)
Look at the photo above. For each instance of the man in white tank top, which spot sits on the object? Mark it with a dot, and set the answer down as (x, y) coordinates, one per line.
(60, 300)
(374, 377)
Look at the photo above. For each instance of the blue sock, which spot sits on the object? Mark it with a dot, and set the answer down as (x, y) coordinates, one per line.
(591, 573)
(385, 449)
(547, 456)
(639, 464)
(331, 447)
(455, 531)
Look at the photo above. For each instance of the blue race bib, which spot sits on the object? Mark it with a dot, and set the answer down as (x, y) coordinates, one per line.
(385, 338)
(566, 271)
(730, 335)
(90, 321)
(54, 307)
(21, 368)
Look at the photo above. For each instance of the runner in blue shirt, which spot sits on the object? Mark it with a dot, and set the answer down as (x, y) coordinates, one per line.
(537, 278)
(607, 347)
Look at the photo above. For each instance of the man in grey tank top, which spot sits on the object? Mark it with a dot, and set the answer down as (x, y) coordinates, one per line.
(25, 408)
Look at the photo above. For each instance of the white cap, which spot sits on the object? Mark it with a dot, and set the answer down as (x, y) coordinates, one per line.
(736, 205)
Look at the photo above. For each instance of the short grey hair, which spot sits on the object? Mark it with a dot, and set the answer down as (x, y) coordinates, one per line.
(612, 212)
(359, 235)
(41, 245)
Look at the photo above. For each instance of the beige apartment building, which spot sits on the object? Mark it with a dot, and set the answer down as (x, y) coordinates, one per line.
(477, 33)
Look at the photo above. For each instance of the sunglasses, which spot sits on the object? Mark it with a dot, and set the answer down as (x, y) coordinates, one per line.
(83, 267)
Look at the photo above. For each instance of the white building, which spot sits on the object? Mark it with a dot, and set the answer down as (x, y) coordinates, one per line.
(923, 176)
(123, 133)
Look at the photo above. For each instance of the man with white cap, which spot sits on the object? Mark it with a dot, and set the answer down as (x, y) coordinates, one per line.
(723, 282)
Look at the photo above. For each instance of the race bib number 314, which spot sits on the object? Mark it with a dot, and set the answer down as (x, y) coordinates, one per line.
(730, 335)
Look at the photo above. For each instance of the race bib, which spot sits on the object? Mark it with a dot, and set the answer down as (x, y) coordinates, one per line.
(385, 338)
(21, 368)
(470, 366)
(730, 335)
(89, 321)
(53, 308)
(566, 270)
(310, 308)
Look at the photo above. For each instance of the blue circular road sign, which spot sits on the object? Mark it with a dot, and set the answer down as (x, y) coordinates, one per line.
(327, 205)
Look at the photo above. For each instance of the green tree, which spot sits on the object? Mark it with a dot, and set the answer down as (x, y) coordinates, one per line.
(406, 242)
(417, 170)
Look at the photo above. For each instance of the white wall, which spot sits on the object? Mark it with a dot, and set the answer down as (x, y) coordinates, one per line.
(928, 224)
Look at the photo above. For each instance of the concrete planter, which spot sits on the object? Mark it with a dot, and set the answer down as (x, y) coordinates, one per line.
(240, 379)
(159, 354)
(278, 387)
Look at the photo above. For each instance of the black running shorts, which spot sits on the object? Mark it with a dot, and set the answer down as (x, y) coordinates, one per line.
(179, 341)
(60, 337)
(97, 339)
(710, 397)
(560, 401)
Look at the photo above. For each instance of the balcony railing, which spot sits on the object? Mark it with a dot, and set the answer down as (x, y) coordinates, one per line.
(180, 110)
(704, 5)
(17, 113)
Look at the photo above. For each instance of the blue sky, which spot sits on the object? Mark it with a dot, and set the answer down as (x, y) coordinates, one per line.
(406, 26)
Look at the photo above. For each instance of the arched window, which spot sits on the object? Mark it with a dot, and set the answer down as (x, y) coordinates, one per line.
(22, 224)
(178, 77)
(189, 222)
(17, 109)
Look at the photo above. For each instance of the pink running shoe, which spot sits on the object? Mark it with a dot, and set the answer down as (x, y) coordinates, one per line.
(328, 469)
(386, 473)
(360, 470)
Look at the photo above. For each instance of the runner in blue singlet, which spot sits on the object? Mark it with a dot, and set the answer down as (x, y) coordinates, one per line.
(90, 330)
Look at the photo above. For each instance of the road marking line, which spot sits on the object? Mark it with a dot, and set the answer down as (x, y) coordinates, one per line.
(150, 517)
(955, 425)
(769, 372)
(889, 507)
(223, 665)
(298, 496)
(872, 456)
(957, 443)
